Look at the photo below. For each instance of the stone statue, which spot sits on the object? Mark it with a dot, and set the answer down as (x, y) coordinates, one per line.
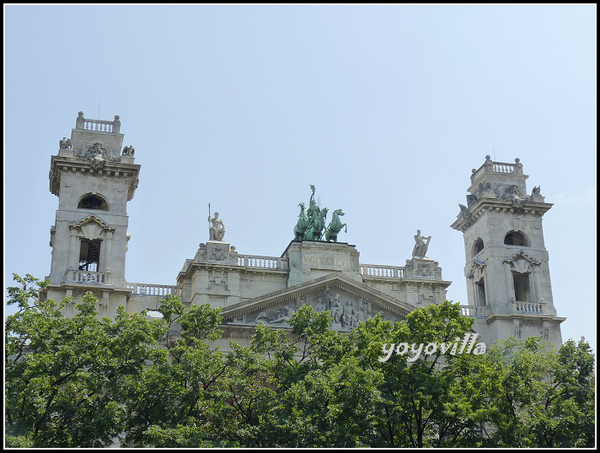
(335, 226)
(65, 143)
(320, 306)
(283, 315)
(348, 315)
(217, 230)
(337, 311)
(262, 317)
(535, 190)
(464, 211)
(128, 151)
(421, 245)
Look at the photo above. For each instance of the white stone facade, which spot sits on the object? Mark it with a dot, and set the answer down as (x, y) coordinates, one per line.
(94, 178)
(508, 277)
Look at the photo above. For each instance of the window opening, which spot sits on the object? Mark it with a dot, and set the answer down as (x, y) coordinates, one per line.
(93, 202)
(480, 291)
(516, 238)
(477, 246)
(89, 255)
(521, 283)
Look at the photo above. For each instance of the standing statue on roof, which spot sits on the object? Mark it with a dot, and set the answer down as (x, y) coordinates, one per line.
(421, 245)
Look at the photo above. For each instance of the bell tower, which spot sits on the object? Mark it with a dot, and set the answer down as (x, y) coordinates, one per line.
(508, 277)
(94, 177)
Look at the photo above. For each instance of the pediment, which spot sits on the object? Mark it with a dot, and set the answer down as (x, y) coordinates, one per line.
(348, 300)
(91, 227)
(522, 262)
(475, 270)
(521, 254)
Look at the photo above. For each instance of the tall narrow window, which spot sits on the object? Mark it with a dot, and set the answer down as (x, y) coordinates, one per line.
(477, 246)
(521, 282)
(89, 255)
(480, 291)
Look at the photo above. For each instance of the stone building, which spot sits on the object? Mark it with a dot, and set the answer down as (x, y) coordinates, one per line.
(94, 177)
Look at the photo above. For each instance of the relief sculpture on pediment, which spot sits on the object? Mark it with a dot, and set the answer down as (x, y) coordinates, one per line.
(347, 310)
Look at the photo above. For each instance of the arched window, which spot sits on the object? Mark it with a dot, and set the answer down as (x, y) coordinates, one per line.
(516, 238)
(477, 246)
(93, 201)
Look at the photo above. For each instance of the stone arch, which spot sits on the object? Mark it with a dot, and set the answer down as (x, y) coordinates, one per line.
(477, 247)
(515, 237)
(93, 201)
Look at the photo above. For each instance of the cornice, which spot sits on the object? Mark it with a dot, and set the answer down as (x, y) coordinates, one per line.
(512, 316)
(60, 164)
(469, 216)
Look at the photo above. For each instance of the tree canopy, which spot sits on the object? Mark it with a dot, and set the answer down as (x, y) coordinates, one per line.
(87, 381)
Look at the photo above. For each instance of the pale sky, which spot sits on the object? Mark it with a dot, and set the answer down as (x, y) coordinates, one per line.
(384, 108)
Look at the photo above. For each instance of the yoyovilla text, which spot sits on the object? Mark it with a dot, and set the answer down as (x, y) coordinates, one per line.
(467, 345)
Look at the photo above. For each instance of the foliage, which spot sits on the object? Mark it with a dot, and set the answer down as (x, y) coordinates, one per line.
(63, 374)
(83, 381)
(544, 396)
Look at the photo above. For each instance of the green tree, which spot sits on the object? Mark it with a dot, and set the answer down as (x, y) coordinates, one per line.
(63, 374)
(176, 403)
(545, 395)
(321, 396)
(423, 396)
(81, 381)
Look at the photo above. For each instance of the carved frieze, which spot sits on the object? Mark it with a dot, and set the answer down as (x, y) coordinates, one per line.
(346, 310)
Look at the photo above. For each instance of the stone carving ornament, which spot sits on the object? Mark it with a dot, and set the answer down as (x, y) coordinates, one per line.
(344, 315)
(97, 154)
(129, 151)
(283, 315)
(65, 143)
(513, 194)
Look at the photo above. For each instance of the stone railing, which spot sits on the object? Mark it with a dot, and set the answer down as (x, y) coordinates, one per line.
(497, 167)
(147, 289)
(376, 270)
(263, 262)
(529, 307)
(473, 311)
(501, 167)
(98, 125)
(101, 278)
